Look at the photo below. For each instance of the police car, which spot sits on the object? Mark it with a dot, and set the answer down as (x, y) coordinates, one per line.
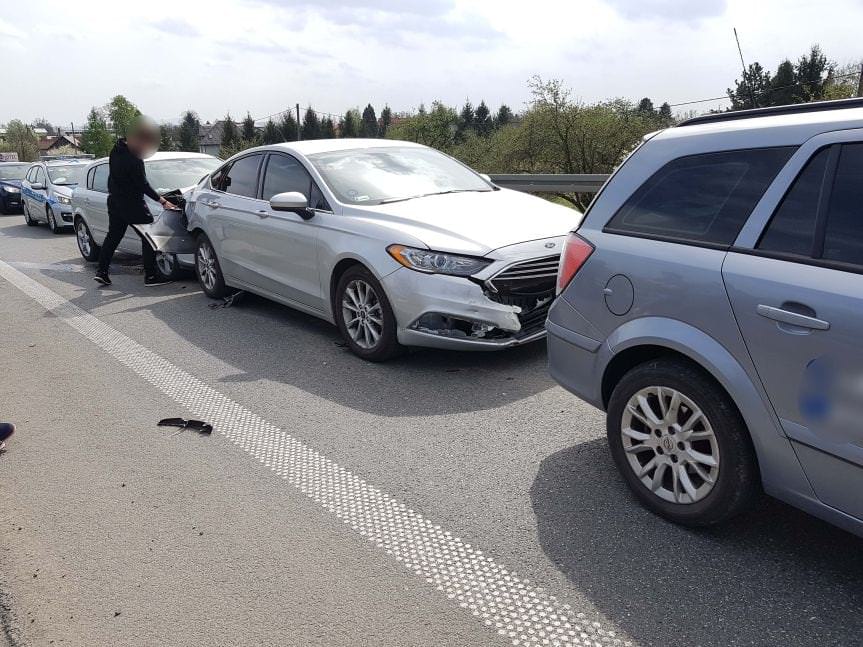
(46, 191)
(11, 174)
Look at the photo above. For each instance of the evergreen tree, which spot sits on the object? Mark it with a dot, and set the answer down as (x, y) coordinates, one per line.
(97, 139)
(783, 86)
(813, 75)
(369, 125)
(465, 121)
(189, 133)
(166, 138)
(504, 116)
(645, 106)
(349, 126)
(748, 91)
(230, 134)
(288, 127)
(386, 120)
(482, 120)
(271, 134)
(311, 125)
(250, 133)
(665, 115)
(328, 128)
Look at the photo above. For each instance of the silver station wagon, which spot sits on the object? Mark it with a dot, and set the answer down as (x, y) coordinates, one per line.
(712, 304)
(395, 243)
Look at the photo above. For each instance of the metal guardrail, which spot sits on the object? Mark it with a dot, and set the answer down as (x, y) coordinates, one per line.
(551, 182)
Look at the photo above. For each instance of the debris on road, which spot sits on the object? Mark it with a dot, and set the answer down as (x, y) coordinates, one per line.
(229, 301)
(203, 428)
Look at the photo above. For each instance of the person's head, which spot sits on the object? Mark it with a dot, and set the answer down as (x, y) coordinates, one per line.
(143, 137)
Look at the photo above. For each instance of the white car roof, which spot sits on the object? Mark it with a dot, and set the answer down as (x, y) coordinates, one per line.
(176, 155)
(313, 146)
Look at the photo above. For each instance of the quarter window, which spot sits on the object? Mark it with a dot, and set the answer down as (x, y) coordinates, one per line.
(39, 176)
(100, 178)
(792, 227)
(701, 198)
(843, 239)
(241, 178)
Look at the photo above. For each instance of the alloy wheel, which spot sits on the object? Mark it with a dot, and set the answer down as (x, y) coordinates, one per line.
(670, 445)
(362, 314)
(166, 264)
(207, 265)
(83, 238)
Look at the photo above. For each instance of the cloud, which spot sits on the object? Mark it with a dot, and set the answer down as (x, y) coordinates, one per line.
(677, 10)
(175, 27)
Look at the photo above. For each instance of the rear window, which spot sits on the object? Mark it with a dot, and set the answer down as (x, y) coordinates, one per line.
(701, 198)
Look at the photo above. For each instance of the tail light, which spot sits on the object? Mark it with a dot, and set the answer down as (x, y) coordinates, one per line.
(576, 250)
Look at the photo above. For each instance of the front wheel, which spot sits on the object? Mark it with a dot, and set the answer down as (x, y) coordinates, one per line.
(86, 245)
(208, 270)
(364, 316)
(168, 266)
(52, 221)
(27, 218)
(681, 444)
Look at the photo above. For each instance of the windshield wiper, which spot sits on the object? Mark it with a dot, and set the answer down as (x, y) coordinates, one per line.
(425, 195)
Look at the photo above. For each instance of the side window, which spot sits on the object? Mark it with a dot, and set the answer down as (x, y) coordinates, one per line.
(843, 239)
(242, 177)
(90, 177)
(701, 198)
(31, 174)
(285, 174)
(217, 179)
(317, 199)
(100, 178)
(39, 176)
(791, 230)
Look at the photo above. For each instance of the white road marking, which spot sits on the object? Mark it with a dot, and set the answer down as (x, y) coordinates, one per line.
(522, 613)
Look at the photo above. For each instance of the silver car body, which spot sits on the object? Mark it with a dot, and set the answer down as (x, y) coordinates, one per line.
(168, 233)
(41, 196)
(297, 261)
(726, 309)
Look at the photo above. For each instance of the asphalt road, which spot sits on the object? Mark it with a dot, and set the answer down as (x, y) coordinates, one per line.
(440, 499)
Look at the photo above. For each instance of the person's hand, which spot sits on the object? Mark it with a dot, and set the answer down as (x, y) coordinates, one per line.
(167, 204)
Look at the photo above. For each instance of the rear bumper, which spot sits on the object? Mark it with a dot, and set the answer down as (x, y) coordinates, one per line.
(574, 363)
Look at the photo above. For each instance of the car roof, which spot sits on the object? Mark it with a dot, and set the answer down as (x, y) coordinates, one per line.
(175, 155)
(312, 146)
(66, 162)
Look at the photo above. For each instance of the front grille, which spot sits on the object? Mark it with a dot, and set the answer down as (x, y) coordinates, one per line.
(529, 285)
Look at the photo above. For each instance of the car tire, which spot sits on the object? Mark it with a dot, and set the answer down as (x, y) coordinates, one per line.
(688, 491)
(27, 218)
(52, 221)
(208, 270)
(168, 267)
(86, 244)
(371, 335)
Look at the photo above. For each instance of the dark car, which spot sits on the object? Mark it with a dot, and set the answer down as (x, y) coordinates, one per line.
(11, 174)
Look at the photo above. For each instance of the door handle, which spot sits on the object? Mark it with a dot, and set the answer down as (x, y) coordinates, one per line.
(262, 213)
(212, 204)
(792, 318)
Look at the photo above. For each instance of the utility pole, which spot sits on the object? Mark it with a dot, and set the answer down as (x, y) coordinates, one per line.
(299, 136)
(860, 82)
(743, 65)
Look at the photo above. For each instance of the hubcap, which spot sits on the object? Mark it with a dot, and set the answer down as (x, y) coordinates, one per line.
(83, 238)
(207, 266)
(165, 263)
(362, 314)
(51, 223)
(670, 445)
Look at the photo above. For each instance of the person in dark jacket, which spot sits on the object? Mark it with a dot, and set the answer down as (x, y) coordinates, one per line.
(6, 430)
(127, 186)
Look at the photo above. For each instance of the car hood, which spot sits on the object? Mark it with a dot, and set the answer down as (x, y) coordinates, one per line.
(64, 189)
(12, 182)
(474, 223)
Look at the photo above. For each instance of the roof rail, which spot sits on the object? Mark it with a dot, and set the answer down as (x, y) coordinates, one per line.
(815, 106)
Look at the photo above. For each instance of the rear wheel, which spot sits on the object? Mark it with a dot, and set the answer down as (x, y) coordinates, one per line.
(86, 245)
(27, 218)
(208, 270)
(681, 444)
(364, 316)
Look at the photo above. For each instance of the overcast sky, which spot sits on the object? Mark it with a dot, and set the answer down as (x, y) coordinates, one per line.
(60, 58)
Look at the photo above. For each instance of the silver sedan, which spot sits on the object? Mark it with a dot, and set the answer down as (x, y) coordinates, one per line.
(394, 242)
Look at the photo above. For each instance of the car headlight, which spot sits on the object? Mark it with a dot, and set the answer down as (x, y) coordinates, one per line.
(62, 199)
(431, 262)
(11, 189)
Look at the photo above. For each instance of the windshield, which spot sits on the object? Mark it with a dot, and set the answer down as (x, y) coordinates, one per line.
(65, 175)
(376, 175)
(167, 175)
(13, 171)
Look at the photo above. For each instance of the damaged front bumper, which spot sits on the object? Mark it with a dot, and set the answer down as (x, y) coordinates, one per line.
(440, 311)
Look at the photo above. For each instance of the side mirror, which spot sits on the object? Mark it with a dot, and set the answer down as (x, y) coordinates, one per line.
(486, 177)
(37, 186)
(292, 201)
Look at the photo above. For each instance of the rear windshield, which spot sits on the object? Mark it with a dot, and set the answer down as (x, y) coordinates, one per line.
(701, 198)
(167, 175)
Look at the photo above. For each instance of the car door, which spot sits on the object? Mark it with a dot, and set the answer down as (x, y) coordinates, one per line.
(39, 194)
(96, 201)
(797, 295)
(289, 253)
(26, 183)
(229, 209)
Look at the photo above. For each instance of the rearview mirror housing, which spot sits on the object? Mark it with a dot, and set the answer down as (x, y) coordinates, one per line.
(292, 201)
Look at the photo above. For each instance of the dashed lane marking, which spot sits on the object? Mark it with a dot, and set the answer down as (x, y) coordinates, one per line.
(508, 604)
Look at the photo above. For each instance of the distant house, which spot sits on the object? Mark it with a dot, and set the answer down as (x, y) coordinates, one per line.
(210, 136)
(51, 143)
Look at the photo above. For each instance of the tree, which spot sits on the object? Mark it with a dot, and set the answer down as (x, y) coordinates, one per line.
(783, 86)
(645, 107)
(271, 134)
(311, 125)
(482, 120)
(369, 122)
(41, 122)
(230, 135)
(814, 72)
(747, 91)
(21, 139)
(350, 124)
(288, 127)
(122, 114)
(844, 82)
(166, 138)
(328, 128)
(465, 120)
(250, 133)
(189, 133)
(665, 116)
(437, 127)
(97, 139)
(504, 116)
(386, 120)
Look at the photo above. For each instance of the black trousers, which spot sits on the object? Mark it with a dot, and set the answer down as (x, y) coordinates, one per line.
(116, 230)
